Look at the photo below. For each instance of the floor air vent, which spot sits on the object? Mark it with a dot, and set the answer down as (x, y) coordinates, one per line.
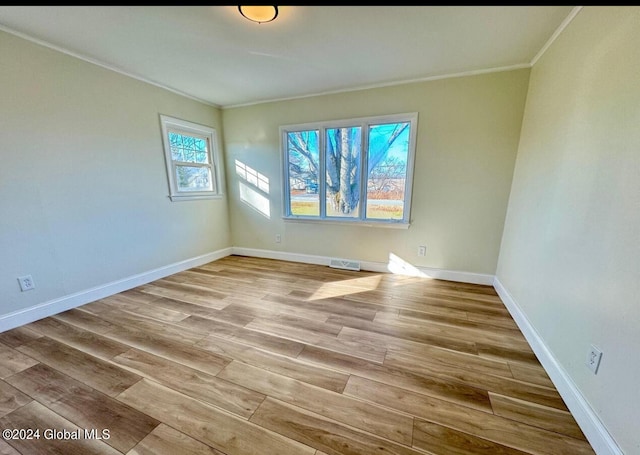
(344, 264)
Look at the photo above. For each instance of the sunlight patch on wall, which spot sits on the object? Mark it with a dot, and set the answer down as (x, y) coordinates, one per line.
(254, 199)
(255, 191)
(401, 267)
(346, 287)
(252, 176)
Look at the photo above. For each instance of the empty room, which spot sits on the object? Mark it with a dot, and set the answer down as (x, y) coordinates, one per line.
(326, 230)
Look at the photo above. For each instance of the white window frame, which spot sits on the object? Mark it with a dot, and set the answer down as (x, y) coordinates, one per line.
(172, 124)
(364, 123)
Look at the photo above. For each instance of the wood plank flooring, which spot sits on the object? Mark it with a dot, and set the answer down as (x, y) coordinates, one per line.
(257, 356)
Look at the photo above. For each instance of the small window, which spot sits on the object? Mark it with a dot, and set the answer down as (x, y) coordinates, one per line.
(191, 159)
(357, 170)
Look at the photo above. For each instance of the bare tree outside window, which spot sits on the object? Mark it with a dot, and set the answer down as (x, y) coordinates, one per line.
(387, 160)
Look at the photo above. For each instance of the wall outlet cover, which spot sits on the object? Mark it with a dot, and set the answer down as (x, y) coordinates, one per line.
(26, 283)
(593, 359)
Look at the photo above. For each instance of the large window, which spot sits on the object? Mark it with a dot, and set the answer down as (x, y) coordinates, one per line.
(357, 170)
(191, 158)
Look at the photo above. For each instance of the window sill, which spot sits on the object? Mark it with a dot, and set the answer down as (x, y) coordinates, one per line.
(372, 224)
(176, 198)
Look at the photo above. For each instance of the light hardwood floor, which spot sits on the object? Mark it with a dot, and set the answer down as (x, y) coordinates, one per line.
(257, 356)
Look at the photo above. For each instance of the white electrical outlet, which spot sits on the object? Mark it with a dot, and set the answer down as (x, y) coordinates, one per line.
(26, 283)
(278, 238)
(422, 250)
(593, 359)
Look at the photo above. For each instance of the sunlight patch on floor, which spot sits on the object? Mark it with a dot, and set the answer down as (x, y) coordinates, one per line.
(346, 287)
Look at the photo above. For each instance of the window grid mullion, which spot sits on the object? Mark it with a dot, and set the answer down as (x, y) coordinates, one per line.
(191, 164)
(364, 141)
(286, 180)
(322, 170)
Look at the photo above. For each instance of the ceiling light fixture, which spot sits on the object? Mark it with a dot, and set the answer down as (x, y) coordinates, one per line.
(259, 14)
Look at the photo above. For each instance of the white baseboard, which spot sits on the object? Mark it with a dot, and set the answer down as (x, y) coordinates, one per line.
(381, 267)
(591, 425)
(454, 275)
(55, 306)
(280, 255)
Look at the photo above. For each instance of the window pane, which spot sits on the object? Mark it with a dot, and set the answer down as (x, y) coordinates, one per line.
(343, 150)
(190, 149)
(193, 178)
(175, 142)
(387, 170)
(303, 163)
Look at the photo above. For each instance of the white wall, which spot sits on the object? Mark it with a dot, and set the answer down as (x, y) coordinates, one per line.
(83, 186)
(83, 190)
(570, 255)
(468, 130)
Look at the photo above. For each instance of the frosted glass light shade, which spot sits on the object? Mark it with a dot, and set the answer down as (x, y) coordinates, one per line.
(259, 14)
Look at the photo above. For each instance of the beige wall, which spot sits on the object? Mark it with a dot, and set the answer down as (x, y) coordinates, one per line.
(570, 256)
(83, 186)
(468, 130)
(83, 190)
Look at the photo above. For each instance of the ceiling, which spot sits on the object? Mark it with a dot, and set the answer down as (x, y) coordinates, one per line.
(213, 54)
